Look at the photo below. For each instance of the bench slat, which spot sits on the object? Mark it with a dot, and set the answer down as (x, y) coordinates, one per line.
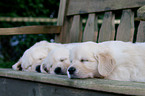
(107, 31)
(60, 20)
(89, 6)
(124, 87)
(30, 30)
(62, 12)
(141, 32)
(76, 30)
(91, 29)
(65, 32)
(125, 30)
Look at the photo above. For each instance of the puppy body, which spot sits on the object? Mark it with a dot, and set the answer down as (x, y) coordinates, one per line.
(34, 56)
(113, 60)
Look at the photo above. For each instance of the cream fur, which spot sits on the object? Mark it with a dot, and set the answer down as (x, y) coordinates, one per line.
(34, 56)
(58, 57)
(55, 57)
(115, 60)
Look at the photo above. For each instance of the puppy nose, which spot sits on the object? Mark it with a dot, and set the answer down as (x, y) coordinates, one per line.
(71, 70)
(38, 68)
(57, 70)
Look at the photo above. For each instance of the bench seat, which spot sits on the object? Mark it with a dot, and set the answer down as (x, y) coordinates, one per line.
(21, 83)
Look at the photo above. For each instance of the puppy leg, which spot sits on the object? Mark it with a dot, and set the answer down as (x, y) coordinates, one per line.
(17, 66)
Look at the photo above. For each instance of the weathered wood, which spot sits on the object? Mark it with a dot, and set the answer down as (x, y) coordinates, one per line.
(67, 27)
(125, 31)
(65, 31)
(76, 29)
(91, 29)
(141, 13)
(141, 32)
(30, 30)
(107, 31)
(60, 20)
(16, 87)
(62, 12)
(121, 87)
(89, 6)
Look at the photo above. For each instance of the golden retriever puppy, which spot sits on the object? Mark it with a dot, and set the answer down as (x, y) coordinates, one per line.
(58, 60)
(115, 60)
(34, 56)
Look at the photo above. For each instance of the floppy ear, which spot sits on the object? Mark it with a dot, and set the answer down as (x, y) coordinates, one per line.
(106, 64)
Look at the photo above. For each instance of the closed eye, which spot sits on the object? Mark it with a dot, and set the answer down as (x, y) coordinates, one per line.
(40, 58)
(84, 60)
(61, 60)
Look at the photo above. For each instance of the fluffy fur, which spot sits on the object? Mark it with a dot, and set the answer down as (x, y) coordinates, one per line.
(34, 56)
(115, 60)
(58, 58)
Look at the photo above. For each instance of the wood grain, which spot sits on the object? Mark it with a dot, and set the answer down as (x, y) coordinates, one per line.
(141, 32)
(91, 29)
(89, 6)
(60, 21)
(30, 30)
(62, 12)
(125, 30)
(76, 29)
(65, 32)
(114, 86)
(107, 31)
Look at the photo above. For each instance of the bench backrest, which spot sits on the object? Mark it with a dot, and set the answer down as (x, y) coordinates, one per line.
(73, 14)
(81, 20)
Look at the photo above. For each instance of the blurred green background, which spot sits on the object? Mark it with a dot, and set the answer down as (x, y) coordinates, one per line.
(12, 47)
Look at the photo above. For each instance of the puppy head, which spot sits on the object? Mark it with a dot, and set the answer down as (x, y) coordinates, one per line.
(88, 62)
(33, 57)
(56, 62)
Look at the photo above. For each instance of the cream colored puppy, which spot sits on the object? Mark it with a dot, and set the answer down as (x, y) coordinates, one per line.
(115, 60)
(34, 56)
(58, 60)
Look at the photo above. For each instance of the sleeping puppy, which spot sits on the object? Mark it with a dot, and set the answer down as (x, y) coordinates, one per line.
(58, 60)
(34, 56)
(115, 60)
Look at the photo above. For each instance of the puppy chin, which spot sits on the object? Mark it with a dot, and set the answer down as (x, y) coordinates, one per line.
(73, 76)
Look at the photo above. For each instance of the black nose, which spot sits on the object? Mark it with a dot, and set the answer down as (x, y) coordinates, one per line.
(57, 70)
(71, 70)
(38, 68)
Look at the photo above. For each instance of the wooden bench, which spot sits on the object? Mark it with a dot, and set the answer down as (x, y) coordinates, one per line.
(80, 20)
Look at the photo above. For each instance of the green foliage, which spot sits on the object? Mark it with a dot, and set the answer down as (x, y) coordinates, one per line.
(23, 8)
(29, 8)
(6, 64)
